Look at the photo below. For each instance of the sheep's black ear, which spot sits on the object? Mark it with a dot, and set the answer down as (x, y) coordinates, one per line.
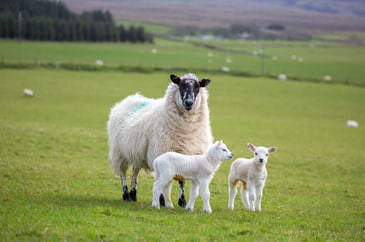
(175, 79)
(204, 82)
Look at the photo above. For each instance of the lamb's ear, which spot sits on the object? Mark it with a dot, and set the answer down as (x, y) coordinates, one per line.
(272, 149)
(251, 147)
(204, 82)
(217, 144)
(175, 79)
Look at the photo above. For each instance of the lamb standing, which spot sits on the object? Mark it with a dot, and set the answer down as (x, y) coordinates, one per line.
(252, 174)
(200, 169)
(140, 128)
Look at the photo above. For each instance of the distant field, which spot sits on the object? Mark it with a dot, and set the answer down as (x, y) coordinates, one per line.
(56, 183)
(150, 28)
(313, 60)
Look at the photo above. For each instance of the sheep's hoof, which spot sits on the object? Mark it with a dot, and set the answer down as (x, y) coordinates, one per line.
(182, 201)
(133, 195)
(162, 201)
(126, 196)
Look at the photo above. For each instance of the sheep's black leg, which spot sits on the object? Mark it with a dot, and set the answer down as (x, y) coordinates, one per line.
(182, 201)
(126, 196)
(133, 193)
(162, 201)
(124, 189)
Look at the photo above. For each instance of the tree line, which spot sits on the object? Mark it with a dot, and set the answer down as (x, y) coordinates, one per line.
(52, 21)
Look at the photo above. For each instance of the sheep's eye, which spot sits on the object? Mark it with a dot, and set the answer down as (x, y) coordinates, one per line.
(255, 153)
(267, 154)
(224, 150)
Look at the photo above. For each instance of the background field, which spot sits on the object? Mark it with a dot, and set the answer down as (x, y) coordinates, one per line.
(313, 60)
(56, 183)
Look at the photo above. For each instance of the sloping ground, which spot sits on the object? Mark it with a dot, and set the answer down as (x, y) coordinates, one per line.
(214, 14)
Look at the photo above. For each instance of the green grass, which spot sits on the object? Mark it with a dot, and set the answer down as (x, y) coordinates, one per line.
(344, 63)
(56, 183)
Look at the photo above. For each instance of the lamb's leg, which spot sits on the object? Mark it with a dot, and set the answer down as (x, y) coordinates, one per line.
(194, 192)
(182, 201)
(259, 194)
(251, 195)
(156, 192)
(244, 196)
(204, 189)
(133, 193)
(232, 191)
(166, 192)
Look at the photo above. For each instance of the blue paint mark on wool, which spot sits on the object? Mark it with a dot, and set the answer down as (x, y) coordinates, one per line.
(140, 106)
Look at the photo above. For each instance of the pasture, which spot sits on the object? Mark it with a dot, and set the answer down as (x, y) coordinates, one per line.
(56, 183)
(298, 60)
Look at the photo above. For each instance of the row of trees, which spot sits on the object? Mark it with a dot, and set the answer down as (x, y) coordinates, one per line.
(51, 21)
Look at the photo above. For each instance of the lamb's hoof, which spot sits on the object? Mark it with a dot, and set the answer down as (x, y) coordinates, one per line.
(182, 201)
(207, 210)
(133, 195)
(162, 201)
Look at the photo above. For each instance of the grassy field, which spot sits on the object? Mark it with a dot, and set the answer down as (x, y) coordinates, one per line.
(313, 60)
(56, 183)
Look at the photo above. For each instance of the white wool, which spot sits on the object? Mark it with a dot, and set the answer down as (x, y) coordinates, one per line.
(28, 92)
(282, 77)
(200, 169)
(352, 123)
(138, 135)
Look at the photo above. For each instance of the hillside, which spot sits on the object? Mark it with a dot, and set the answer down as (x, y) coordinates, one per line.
(304, 14)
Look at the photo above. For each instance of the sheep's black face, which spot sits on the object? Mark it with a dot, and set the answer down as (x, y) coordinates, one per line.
(189, 90)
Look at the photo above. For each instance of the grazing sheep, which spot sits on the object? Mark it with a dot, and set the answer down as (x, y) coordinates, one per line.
(252, 174)
(282, 77)
(200, 169)
(140, 128)
(28, 92)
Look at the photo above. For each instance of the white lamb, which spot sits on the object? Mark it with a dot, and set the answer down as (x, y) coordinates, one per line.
(200, 169)
(252, 174)
(140, 128)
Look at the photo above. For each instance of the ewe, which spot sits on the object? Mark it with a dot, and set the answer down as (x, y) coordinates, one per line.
(200, 169)
(140, 128)
(252, 173)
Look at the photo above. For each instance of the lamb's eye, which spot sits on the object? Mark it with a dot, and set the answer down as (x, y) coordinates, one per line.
(267, 154)
(224, 150)
(255, 153)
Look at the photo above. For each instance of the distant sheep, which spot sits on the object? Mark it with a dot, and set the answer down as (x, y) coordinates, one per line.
(327, 78)
(200, 169)
(282, 77)
(28, 92)
(352, 123)
(140, 128)
(252, 174)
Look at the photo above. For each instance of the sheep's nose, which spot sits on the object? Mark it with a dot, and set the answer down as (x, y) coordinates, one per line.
(189, 102)
(261, 160)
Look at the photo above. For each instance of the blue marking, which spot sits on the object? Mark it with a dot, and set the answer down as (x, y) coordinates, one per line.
(140, 106)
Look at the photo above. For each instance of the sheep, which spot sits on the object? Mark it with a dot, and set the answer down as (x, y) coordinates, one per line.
(282, 77)
(140, 129)
(27, 92)
(252, 174)
(200, 169)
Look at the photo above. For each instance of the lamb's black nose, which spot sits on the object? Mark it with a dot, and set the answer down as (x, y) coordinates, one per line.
(261, 160)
